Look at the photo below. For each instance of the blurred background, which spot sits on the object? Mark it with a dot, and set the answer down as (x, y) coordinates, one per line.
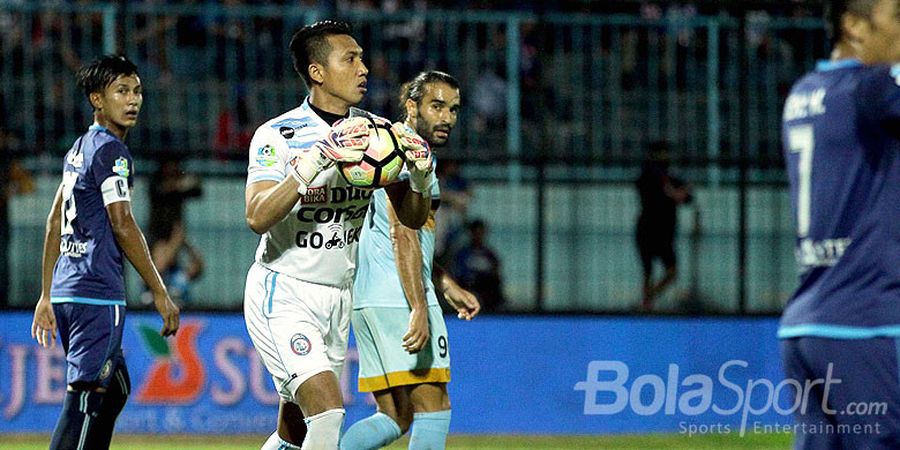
(582, 122)
(561, 102)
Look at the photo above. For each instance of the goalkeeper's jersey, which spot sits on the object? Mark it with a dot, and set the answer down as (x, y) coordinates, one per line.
(317, 241)
(377, 283)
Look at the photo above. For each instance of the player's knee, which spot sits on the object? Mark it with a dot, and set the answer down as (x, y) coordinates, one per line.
(403, 419)
(117, 394)
(324, 430)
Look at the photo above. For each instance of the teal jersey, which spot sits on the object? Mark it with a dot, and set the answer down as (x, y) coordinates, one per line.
(376, 282)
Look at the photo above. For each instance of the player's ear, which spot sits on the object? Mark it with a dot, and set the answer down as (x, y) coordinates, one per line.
(95, 99)
(412, 109)
(316, 73)
(855, 29)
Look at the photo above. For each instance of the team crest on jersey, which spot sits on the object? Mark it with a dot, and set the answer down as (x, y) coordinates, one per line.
(121, 168)
(300, 344)
(107, 367)
(266, 156)
(315, 195)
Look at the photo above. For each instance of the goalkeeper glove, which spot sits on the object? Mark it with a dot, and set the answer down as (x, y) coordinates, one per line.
(418, 158)
(346, 141)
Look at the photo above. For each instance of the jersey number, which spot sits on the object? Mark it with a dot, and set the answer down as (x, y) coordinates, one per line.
(802, 141)
(69, 210)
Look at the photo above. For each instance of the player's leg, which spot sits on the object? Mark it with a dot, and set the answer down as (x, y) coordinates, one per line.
(430, 400)
(431, 418)
(390, 421)
(113, 402)
(864, 389)
(93, 336)
(327, 312)
(291, 428)
(393, 416)
(796, 367)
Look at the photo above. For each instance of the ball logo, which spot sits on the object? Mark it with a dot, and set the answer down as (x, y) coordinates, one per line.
(300, 344)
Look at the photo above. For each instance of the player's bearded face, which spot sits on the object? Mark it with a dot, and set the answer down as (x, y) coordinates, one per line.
(436, 113)
(121, 101)
(344, 74)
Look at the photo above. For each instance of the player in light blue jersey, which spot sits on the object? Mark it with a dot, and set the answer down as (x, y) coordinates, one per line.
(404, 357)
(89, 227)
(840, 330)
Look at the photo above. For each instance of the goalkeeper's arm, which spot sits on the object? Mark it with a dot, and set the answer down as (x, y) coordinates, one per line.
(269, 202)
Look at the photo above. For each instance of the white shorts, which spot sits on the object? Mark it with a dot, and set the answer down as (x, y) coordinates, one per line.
(299, 329)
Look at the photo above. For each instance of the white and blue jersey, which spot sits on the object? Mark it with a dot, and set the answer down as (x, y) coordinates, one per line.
(377, 283)
(98, 171)
(316, 242)
(841, 133)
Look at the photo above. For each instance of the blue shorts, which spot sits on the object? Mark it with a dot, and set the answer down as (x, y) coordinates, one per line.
(92, 339)
(862, 400)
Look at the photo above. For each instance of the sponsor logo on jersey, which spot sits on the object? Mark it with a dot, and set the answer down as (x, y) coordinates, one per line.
(315, 195)
(286, 132)
(349, 194)
(309, 214)
(266, 156)
(121, 168)
(300, 344)
(73, 249)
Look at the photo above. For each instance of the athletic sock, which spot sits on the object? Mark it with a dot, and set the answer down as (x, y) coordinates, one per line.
(323, 430)
(75, 429)
(275, 442)
(430, 430)
(373, 432)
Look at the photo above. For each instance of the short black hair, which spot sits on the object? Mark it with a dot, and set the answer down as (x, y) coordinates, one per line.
(415, 89)
(96, 75)
(309, 44)
(835, 10)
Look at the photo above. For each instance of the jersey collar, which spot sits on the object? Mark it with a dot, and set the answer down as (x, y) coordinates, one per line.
(828, 65)
(101, 129)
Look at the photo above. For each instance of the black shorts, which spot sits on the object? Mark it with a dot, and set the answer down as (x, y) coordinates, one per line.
(655, 243)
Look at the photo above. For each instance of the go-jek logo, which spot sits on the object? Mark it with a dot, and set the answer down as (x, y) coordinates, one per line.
(177, 375)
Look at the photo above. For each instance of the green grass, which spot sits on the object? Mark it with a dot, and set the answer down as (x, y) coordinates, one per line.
(635, 442)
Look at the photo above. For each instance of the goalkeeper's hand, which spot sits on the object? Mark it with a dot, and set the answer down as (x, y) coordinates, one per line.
(418, 158)
(347, 140)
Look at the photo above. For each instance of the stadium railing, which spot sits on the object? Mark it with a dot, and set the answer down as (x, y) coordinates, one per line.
(558, 110)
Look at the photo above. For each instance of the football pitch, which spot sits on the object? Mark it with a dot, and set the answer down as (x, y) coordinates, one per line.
(481, 442)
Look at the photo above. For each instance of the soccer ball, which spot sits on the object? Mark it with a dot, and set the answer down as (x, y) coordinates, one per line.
(382, 160)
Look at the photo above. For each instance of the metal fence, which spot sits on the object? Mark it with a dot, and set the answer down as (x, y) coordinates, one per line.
(558, 111)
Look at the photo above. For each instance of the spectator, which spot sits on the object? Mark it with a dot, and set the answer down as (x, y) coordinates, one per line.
(178, 261)
(477, 269)
(18, 181)
(660, 194)
(450, 219)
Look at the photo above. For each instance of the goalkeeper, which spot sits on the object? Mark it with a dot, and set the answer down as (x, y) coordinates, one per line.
(298, 293)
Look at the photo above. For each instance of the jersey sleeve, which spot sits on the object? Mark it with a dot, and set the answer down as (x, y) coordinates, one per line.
(112, 172)
(880, 98)
(268, 156)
